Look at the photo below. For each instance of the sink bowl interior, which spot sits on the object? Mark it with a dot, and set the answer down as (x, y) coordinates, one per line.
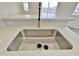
(28, 39)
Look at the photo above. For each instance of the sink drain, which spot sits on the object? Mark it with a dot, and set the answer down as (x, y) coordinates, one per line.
(39, 45)
(46, 47)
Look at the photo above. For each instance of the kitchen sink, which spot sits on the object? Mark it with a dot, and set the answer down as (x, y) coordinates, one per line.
(39, 39)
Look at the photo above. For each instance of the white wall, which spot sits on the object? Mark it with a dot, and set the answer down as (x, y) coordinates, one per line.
(16, 8)
(34, 8)
(9, 8)
(74, 23)
(65, 9)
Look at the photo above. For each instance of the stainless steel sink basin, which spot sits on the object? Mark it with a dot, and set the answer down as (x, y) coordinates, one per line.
(27, 39)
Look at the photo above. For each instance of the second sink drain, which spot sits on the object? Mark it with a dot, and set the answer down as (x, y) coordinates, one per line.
(46, 47)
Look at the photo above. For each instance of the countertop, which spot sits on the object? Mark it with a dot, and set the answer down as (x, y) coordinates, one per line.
(74, 24)
(7, 34)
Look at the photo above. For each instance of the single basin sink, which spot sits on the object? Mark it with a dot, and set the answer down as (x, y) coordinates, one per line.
(28, 39)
